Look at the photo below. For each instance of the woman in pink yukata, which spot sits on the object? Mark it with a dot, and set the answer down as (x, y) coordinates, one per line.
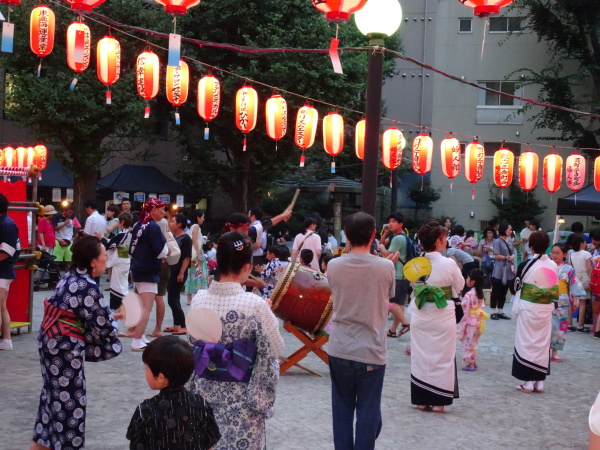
(471, 326)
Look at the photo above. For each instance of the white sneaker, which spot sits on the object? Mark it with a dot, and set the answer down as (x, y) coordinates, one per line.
(138, 345)
(6, 344)
(145, 339)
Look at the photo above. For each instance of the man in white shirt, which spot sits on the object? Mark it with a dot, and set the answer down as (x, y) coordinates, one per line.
(95, 222)
(524, 235)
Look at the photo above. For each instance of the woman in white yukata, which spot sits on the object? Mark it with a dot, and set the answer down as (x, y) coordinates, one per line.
(241, 408)
(532, 309)
(433, 326)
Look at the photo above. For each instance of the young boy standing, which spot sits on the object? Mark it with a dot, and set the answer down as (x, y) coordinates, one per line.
(175, 419)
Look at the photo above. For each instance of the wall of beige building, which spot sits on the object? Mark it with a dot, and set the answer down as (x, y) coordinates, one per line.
(418, 97)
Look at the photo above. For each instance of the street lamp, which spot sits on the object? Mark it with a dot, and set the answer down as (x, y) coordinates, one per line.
(377, 20)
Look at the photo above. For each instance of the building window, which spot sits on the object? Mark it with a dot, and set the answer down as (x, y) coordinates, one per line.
(507, 24)
(499, 109)
(493, 147)
(465, 25)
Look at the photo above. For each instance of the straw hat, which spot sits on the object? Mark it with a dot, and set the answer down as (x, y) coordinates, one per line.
(49, 210)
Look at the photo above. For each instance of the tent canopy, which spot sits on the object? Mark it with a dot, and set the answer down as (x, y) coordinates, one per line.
(56, 176)
(585, 202)
(132, 178)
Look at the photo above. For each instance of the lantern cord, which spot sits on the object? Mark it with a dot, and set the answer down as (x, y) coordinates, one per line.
(175, 25)
(337, 30)
(473, 194)
(8, 14)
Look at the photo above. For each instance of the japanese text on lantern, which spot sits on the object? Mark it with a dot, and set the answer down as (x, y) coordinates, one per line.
(573, 173)
(503, 168)
(456, 158)
(284, 117)
(301, 128)
(177, 84)
(243, 118)
(43, 30)
(417, 155)
(141, 72)
(215, 100)
(479, 164)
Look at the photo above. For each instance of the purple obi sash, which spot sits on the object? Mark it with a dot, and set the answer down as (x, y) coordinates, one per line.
(225, 362)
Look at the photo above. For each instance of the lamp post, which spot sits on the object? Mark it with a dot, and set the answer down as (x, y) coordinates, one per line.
(377, 20)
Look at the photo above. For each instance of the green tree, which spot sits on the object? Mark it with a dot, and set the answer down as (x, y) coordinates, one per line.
(246, 176)
(79, 128)
(422, 195)
(515, 203)
(572, 76)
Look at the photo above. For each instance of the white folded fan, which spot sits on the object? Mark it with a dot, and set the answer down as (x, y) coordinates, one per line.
(133, 309)
(204, 324)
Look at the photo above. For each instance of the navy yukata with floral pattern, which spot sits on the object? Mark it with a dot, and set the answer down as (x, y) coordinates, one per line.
(60, 421)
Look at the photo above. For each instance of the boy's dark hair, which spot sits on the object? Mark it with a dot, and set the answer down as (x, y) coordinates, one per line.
(3, 204)
(275, 250)
(595, 234)
(458, 230)
(257, 212)
(125, 199)
(284, 253)
(172, 357)
(535, 223)
(359, 228)
(90, 204)
(397, 216)
(306, 255)
(181, 220)
(539, 241)
(126, 218)
(577, 227)
(235, 220)
(470, 233)
(234, 250)
(528, 217)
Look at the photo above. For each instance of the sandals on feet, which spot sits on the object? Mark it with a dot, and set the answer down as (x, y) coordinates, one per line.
(438, 409)
(169, 330)
(423, 407)
(392, 334)
(557, 358)
(154, 334)
(405, 329)
(521, 388)
(179, 332)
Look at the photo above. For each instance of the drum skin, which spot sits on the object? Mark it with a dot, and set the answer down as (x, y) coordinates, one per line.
(302, 296)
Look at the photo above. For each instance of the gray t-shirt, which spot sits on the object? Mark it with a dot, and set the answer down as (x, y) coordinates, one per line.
(361, 286)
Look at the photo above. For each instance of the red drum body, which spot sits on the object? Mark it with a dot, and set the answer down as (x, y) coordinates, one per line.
(302, 296)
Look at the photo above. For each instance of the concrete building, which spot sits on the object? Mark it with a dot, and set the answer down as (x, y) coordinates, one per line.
(447, 36)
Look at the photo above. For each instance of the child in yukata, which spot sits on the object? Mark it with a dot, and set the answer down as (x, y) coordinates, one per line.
(472, 325)
(270, 272)
(175, 419)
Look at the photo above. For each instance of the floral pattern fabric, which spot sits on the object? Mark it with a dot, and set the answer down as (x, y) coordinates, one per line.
(568, 287)
(468, 328)
(197, 278)
(60, 421)
(241, 408)
(269, 276)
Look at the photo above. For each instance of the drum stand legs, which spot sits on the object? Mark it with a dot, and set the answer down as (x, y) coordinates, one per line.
(310, 345)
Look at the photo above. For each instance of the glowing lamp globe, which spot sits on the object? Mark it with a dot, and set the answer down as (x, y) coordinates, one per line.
(575, 171)
(338, 10)
(379, 18)
(474, 159)
(450, 152)
(276, 117)
(486, 8)
(79, 42)
(11, 2)
(359, 139)
(108, 63)
(552, 172)
(246, 108)
(177, 83)
(333, 133)
(392, 144)
(504, 162)
(306, 129)
(84, 6)
(209, 97)
(422, 149)
(41, 31)
(177, 7)
(597, 173)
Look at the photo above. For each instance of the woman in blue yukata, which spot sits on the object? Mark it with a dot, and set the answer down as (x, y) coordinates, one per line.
(77, 326)
(240, 407)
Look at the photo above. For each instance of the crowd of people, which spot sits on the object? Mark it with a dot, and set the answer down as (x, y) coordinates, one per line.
(200, 407)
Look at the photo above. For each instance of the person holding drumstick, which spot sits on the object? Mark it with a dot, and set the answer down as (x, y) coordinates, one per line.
(241, 408)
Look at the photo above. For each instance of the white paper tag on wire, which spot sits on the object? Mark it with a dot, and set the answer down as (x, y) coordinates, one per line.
(8, 32)
(335, 56)
(174, 49)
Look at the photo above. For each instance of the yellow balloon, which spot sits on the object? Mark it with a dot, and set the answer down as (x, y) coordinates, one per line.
(417, 268)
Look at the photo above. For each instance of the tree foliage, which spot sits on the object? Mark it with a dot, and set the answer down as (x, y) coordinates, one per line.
(423, 194)
(515, 203)
(572, 76)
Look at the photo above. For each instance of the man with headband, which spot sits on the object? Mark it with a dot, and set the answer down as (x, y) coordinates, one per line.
(148, 248)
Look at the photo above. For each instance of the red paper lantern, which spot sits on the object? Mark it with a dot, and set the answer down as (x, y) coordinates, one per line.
(41, 157)
(177, 7)
(30, 156)
(528, 170)
(486, 8)
(108, 63)
(338, 10)
(11, 2)
(84, 6)
(422, 149)
(474, 159)
(276, 117)
(306, 129)
(552, 172)
(450, 149)
(504, 162)
(21, 153)
(209, 97)
(41, 31)
(359, 139)
(333, 135)
(597, 173)
(246, 107)
(147, 77)
(79, 42)
(9, 158)
(392, 144)
(177, 83)
(575, 171)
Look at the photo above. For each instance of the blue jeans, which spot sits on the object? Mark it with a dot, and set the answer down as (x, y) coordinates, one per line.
(355, 386)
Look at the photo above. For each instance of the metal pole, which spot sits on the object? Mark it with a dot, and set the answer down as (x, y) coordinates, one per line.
(373, 119)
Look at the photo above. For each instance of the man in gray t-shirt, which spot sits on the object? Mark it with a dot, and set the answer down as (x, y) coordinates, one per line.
(362, 285)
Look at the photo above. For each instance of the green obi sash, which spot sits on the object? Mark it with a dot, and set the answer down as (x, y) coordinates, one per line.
(534, 294)
(432, 294)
